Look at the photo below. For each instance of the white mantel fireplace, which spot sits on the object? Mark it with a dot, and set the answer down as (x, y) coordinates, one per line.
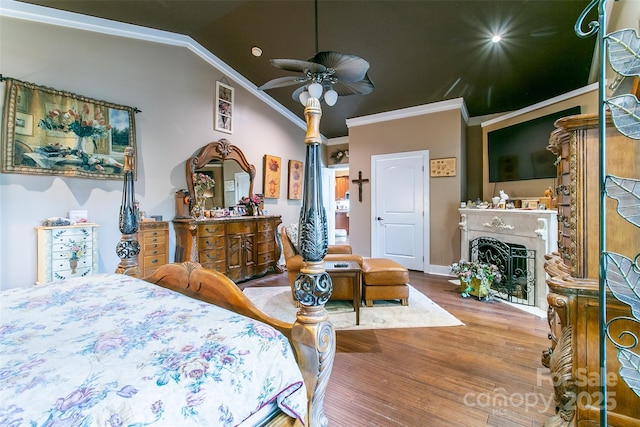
(535, 230)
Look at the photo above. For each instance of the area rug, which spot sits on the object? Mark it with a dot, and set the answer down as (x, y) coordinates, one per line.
(420, 313)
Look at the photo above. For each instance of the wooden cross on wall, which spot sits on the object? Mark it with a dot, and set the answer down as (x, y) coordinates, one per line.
(359, 181)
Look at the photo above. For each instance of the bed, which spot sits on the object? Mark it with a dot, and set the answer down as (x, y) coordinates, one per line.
(182, 347)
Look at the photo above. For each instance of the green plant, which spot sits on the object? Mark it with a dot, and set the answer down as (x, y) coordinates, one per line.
(469, 270)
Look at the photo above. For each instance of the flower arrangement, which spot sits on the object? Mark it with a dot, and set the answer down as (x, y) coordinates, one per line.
(485, 273)
(251, 202)
(79, 123)
(339, 155)
(201, 183)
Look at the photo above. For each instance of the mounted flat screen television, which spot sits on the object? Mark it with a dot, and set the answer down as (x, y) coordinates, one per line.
(519, 152)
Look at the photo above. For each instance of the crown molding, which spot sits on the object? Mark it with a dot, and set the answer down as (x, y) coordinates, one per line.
(545, 103)
(337, 140)
(45, 15)
(435, 107)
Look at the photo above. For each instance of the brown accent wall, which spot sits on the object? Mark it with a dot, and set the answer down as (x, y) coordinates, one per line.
(443, 134)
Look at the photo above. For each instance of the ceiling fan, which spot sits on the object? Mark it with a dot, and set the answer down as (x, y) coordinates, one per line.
(335, 74)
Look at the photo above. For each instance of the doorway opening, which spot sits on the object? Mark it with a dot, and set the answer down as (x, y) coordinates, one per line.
(342, 205)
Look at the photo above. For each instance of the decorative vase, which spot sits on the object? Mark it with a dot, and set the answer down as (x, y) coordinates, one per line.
(73, 263)
(85, 144)
(475, 288)
(249, 211)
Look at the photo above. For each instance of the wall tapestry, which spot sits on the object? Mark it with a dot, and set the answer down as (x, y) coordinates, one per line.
(271, 181)
(50, 132)
(294, 190)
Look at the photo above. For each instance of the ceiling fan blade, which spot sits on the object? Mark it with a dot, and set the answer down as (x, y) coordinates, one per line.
(298, 65)
(282, 82)
(362, 87)
(348, 68)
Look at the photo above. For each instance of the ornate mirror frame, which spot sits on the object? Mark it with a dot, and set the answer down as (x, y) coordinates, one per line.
(217, 150)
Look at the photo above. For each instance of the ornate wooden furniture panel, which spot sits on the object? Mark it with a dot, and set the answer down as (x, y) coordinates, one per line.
(239, 247)
(153, 238)
(575, 142)
(573, 356)
(67, 251)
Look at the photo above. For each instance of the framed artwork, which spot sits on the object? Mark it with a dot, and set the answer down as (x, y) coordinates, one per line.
(443, 167)
(224, 108)
(294, 190)
(51, 132)
(229, 185)
(24, 124)
(271, 182)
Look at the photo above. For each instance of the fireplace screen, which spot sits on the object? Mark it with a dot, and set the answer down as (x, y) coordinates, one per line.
(516, 264)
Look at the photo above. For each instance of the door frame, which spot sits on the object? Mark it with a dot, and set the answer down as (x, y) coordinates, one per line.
(426, 217)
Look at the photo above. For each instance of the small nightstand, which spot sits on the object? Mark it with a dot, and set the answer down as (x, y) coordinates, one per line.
(67, 251)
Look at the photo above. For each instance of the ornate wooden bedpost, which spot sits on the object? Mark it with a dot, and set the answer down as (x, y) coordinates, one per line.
(128, 247)
(312, 332)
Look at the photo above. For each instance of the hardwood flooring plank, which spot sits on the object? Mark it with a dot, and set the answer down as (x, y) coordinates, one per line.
(485, 373)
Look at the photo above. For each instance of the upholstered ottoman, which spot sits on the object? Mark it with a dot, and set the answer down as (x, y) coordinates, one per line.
(384, 279)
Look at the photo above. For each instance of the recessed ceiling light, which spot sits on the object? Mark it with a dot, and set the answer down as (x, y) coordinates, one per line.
(256, 51)
(496, 38)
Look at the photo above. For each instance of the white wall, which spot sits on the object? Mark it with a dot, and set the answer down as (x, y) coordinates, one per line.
(173, 87)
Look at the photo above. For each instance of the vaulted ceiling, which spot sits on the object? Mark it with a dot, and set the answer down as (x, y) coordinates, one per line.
(420, 51)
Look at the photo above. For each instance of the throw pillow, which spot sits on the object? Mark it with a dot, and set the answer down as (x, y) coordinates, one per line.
(292, 233)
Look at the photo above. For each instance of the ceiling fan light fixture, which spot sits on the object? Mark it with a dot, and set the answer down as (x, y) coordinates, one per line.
(315, 90)
(331, 97)
(303, 97)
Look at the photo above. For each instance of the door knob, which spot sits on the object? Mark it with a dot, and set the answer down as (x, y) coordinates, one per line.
(380, 219)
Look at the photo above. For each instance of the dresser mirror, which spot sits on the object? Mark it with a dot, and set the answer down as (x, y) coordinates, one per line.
(228, 167)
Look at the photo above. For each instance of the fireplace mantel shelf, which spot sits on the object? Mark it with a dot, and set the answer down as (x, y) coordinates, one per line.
(535, 229)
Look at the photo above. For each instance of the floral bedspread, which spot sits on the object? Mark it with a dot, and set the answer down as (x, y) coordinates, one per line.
(112, 350)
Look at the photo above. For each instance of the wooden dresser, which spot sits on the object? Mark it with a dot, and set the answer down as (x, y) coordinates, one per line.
(240, 247)
(573, 356)
(153, 238)
(68, 251)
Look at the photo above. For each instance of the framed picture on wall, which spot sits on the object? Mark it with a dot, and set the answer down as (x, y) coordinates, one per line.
(272, 169)
(443, 167)
(223, 120)
(55, 132)
(294, 190)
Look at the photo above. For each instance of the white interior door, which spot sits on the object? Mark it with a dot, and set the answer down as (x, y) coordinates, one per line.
(329, 201)
(242, 184)
(399, 208)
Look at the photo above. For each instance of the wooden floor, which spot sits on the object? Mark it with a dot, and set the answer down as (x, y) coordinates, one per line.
(486, 373)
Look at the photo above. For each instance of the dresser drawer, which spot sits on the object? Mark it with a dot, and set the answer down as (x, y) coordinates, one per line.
(243, 227)
(158, 240)
(265, 258)
(265, 236)
(152, 261)
(265, 226)
(210, 242)
(266, 246)
(214, 255)
(214, 229)
(154, 248)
